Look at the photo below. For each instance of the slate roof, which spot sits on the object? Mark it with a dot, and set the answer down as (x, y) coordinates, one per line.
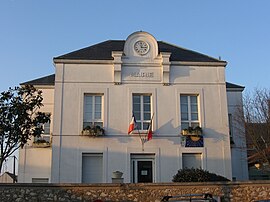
(49, 80)
(46, 80)
(103, 51)
(232, 85)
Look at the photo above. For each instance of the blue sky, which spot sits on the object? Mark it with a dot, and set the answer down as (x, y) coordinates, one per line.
(33, 32)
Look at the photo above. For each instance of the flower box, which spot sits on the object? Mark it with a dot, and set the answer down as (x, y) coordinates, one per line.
(197, 131)
(94, 131)
(39, 144)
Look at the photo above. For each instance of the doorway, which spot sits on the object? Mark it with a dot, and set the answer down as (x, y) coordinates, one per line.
(142, 168)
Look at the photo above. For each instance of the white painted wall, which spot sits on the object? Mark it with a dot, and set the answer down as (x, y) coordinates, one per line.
(238, 149)
(73, 81)
(36, 162)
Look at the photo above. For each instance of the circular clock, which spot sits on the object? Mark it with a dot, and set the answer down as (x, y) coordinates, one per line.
(141, 47)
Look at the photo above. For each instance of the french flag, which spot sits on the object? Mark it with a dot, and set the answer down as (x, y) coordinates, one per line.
(132, 124)
(149, 131)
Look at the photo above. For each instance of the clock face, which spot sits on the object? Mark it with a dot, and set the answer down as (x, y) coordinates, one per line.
(141, 47)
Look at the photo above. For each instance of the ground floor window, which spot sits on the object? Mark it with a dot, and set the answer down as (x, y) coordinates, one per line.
(92, 168)
(192, 160)
(142, 168)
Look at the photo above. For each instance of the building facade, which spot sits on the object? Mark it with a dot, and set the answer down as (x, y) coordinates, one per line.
(96, 91)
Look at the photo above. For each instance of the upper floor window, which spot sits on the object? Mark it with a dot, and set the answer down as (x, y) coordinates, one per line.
(189, 111)
(47, 127)
(142, 110)
(230, 127)
(92, 110)
(46, 135)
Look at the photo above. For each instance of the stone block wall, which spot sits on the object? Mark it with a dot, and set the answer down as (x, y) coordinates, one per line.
(230, 191)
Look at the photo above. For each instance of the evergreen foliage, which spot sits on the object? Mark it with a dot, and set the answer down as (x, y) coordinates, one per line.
(20, 118)
(196, 175)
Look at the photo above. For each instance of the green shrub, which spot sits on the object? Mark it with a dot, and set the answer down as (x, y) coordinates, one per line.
(197, 175)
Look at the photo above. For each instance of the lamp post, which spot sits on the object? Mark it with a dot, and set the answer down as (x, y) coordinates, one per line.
(14, 163)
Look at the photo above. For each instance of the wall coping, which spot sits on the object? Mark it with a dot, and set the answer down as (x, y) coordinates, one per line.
(135, 185)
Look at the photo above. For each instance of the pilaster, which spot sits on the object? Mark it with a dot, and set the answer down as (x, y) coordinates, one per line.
(117, 66)
(166, 68)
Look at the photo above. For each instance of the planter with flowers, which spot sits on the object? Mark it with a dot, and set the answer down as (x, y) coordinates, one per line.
(41, 143)
(93, 131)
(190, 131)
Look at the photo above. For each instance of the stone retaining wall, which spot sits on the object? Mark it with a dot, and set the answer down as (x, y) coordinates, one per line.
(230, 191)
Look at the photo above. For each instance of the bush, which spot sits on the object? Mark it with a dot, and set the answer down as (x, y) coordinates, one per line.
(197, 175)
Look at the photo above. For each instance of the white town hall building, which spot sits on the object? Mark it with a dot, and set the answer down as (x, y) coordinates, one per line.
(93, 95)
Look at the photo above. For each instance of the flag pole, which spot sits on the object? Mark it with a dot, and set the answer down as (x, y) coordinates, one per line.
(142, 140)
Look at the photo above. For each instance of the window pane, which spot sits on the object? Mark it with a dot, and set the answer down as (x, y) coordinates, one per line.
(184, 125)
(193, 99)
(194, 116)
(137, 116)
(47, 128)
(147, 107)
(146, 116)
(88, 99)
(145, 126)
(194, 108)
(98, 107)
(136, 107)
(97, 115)
(87, 116)
(88, 109)
(146, 99)
(98, 99)
(136, 99)
(183, 99)
(138, 126)
(184, 116)
(184, 108)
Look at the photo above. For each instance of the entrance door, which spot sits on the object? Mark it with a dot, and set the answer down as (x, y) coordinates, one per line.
(142, 168)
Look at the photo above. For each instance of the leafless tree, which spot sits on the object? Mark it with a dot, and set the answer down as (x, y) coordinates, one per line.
(256, 110)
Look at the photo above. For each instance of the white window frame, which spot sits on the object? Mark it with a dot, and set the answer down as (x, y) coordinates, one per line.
(200, 150)
(93, 154)
(146, 91)
(45, 136)
(142, 121)
(93, 120)
(189, 153)
(190, 121)
(95, 91)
